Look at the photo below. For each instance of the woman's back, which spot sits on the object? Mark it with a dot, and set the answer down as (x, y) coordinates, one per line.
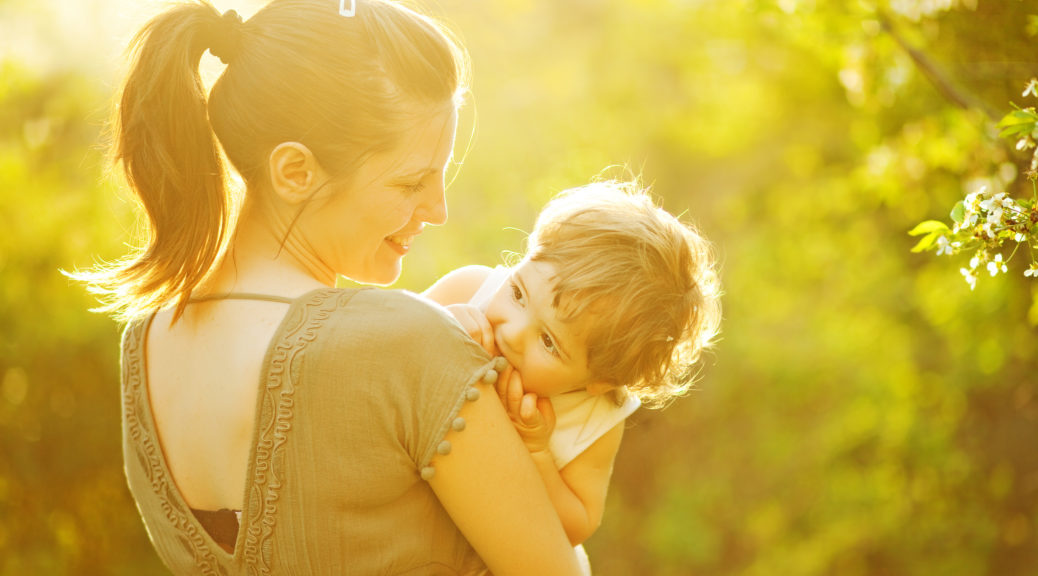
(203, 374)
(346, 416)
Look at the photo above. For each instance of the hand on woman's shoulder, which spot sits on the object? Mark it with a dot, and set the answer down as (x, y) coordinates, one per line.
(398, 322)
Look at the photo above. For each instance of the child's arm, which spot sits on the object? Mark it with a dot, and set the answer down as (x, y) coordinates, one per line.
(457, 286)
(578, 491)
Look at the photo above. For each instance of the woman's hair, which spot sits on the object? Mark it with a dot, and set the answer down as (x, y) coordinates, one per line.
(297, 71)
(641, 283)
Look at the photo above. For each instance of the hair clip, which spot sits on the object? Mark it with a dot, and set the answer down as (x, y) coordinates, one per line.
(347, 12)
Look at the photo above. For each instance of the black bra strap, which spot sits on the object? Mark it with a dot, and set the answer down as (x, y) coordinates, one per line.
(242, 296)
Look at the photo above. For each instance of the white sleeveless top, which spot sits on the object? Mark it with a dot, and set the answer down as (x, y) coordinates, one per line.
(580, 418)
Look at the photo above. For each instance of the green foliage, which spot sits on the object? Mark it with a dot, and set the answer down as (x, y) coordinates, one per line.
(930, 230)
(1020, 122)
(986, 220)
(864, 413)
(64, 507)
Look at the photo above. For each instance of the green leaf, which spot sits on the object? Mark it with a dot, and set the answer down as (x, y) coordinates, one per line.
(1019, 116)
(958, 213)
(1017, 129)
(928, 227)
(1019, 121)
(926, 242)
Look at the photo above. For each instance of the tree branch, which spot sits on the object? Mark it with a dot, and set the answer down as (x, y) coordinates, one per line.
(933, 73)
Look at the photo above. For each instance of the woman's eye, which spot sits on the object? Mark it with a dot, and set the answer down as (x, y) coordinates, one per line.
(549, 344)
(415, 188)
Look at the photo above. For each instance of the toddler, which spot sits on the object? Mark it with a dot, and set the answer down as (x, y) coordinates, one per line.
(608, 310)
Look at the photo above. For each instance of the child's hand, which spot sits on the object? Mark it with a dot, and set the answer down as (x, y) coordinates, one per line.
(475, 322)
(532, 416)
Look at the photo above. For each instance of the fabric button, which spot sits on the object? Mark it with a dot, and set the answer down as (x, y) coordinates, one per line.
(472, 394)
(444, 448)
(428, 473)
(490, 376)
(500, 363)
(458, 424)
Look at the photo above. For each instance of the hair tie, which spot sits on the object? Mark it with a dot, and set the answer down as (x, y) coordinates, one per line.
(226, 37)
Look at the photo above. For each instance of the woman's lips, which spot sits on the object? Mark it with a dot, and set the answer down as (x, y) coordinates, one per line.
(401, 243)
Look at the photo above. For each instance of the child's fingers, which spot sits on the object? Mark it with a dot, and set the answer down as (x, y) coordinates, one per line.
(528, 410)
(486, 332)
(515, 394)
(476, 325)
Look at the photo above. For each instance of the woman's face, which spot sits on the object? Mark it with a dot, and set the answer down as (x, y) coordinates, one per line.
(364, 229)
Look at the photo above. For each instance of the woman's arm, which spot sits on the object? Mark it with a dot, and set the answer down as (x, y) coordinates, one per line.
(491, 489)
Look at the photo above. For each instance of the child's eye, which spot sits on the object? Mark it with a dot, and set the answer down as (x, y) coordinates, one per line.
(517, 294)
(549, 344)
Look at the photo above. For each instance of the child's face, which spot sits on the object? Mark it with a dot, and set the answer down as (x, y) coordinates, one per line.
(549, 354)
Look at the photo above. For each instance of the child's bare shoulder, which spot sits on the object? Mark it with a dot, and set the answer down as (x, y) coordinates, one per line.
(459, 285)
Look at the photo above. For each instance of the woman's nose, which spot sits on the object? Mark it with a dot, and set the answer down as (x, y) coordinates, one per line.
(433, 209)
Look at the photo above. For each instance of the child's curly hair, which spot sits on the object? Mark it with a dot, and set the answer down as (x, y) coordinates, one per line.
(642, 282)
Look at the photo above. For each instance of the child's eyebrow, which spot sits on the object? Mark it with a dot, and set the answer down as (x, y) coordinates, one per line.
(544, 322)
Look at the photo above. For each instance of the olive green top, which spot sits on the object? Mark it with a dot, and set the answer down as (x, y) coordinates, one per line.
(358, 389)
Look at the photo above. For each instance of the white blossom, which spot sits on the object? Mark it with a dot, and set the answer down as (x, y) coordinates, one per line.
(971, 279)
(997, 265)
(995, 216)
(1032, 271)
(943, 246)
(972, 197)
(1032, 88)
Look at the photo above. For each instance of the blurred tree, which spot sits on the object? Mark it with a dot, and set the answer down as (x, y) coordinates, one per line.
(64, 507)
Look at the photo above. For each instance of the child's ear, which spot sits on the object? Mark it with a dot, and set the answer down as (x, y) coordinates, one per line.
(599, 387)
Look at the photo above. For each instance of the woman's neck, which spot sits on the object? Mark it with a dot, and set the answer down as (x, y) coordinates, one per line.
(260, 259)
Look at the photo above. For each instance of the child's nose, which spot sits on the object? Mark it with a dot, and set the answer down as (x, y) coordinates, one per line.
(511, 332)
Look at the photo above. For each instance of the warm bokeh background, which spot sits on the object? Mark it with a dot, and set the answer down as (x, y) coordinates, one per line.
(864, 414)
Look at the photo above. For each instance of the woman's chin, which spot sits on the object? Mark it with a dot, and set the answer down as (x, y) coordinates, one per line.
(381, 277)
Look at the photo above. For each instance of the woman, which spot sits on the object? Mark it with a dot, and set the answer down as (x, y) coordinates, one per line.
(273, 424)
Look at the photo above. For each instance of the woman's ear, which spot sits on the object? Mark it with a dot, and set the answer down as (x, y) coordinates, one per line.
(294, 172)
